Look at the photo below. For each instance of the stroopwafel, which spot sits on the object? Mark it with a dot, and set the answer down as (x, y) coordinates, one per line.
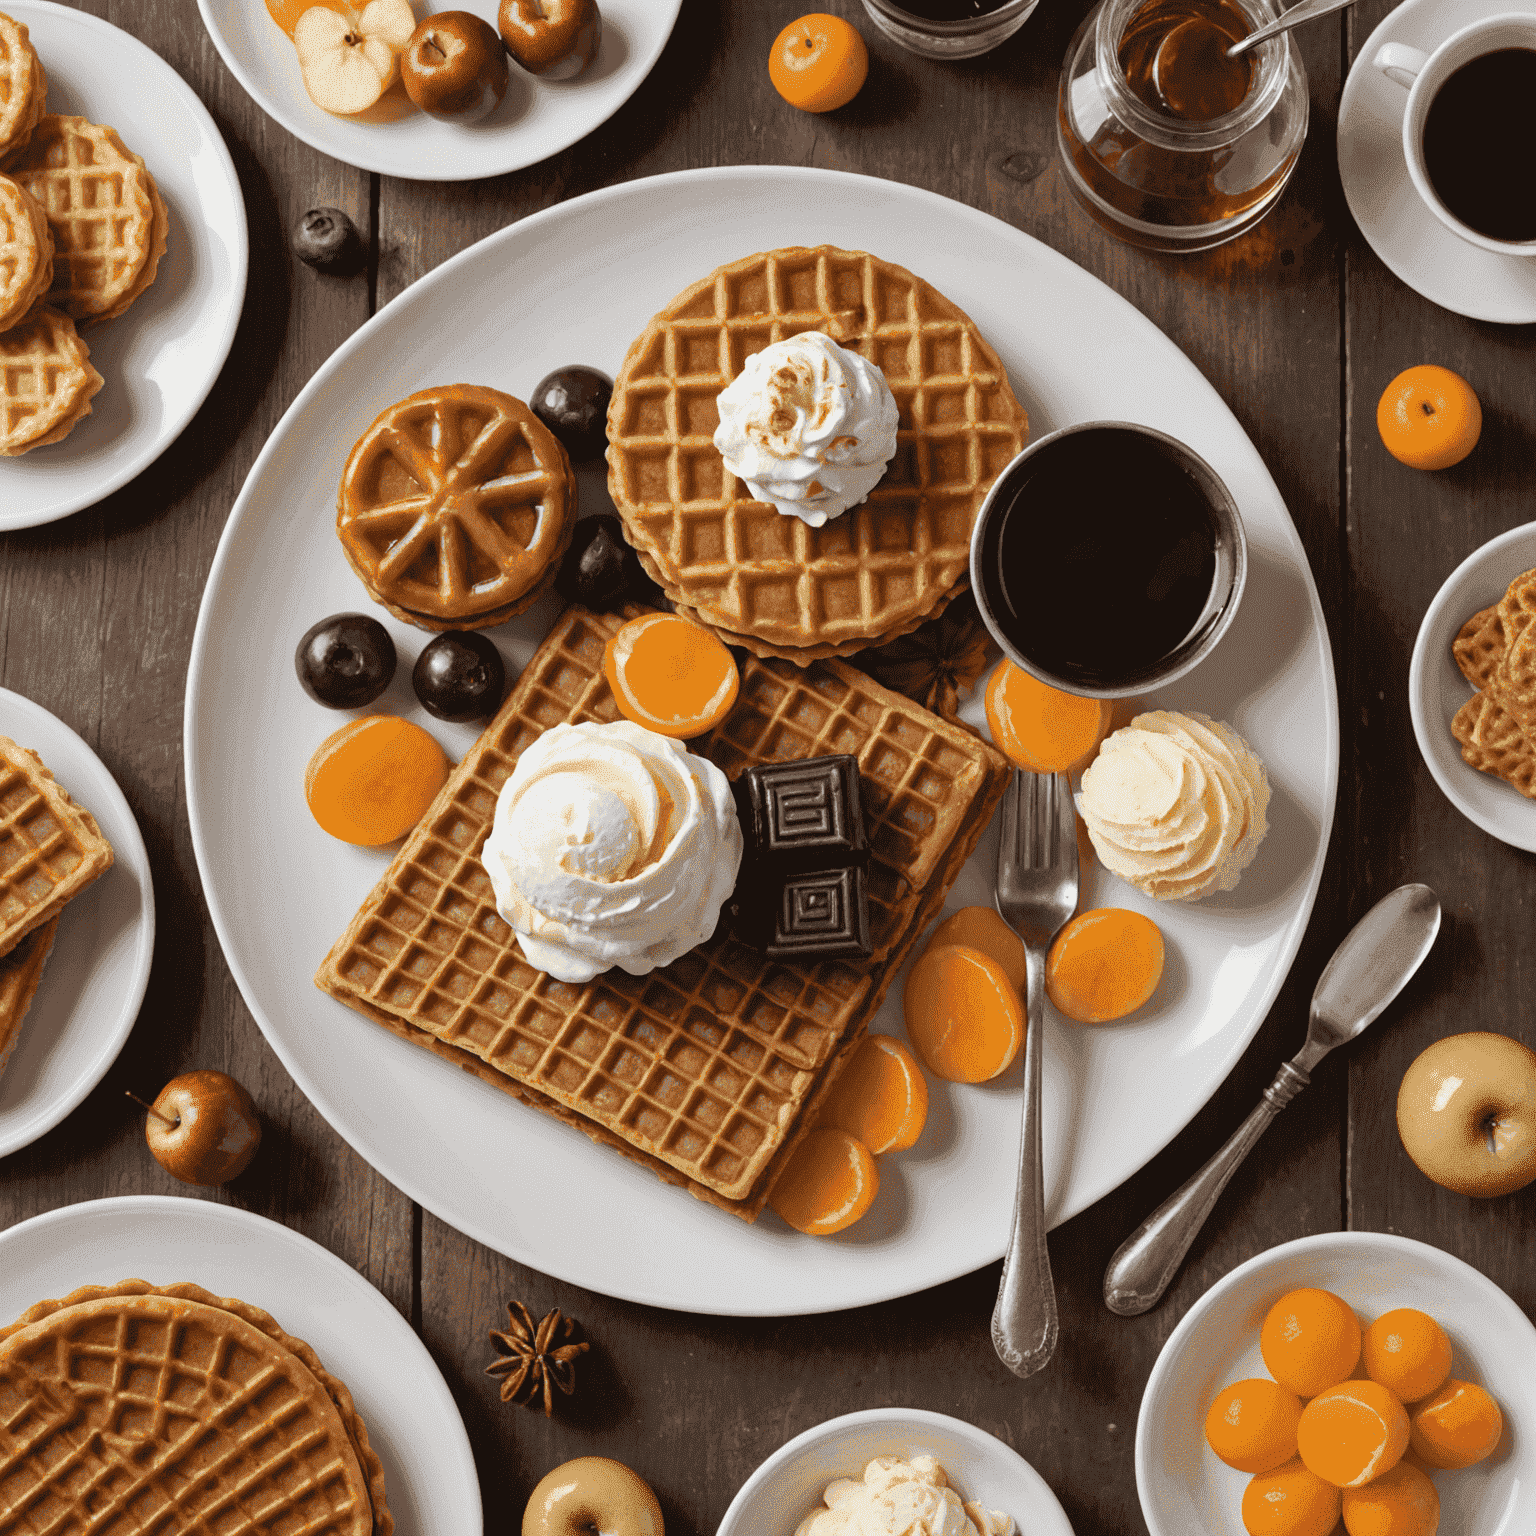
(23, 87)
(26, 252)
(48, 378)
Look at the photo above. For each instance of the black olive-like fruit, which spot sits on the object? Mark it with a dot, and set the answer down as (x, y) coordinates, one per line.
(459, 676)
(327, 240)
(573, 404)
(599, 569)
(345, 661)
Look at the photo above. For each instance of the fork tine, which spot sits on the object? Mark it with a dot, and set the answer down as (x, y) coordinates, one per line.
(1064, 856)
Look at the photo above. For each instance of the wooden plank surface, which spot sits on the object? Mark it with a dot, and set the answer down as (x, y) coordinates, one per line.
(1297, 326)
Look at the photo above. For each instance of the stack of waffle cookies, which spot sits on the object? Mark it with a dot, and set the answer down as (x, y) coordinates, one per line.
(82, 231)
(709, 1070)
(1496, 651)
(767, 581)
(50, 850)
(134, 1408)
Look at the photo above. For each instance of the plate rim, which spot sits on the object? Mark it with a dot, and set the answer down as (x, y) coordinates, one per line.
(219, 353)
(136, 855)
(383, 167)
(532, 225)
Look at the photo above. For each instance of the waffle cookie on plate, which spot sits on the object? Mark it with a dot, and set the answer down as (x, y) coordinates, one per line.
(1496, 651)
(23, 87)
(135, 1408)
(49, 381)
(770, 582)
(26, 252)
(710, 1069)
(20, 972)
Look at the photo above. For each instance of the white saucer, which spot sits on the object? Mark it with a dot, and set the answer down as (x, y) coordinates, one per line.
(1417, 247)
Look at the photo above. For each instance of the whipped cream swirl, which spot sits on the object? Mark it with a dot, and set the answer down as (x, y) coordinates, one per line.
(611, 846)
(1177, 804)
(901, 1498)
(809, 425)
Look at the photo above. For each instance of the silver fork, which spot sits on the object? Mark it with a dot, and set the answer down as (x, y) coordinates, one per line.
(1036, 895)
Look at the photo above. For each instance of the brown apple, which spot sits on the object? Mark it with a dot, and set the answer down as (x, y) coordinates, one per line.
(1466, 1111)
(554, 38)
(455, 67)
(203, 1128)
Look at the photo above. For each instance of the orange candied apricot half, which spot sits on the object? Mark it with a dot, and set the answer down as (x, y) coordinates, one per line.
(671, 675)
(1041, 728)
(1252, 1424)
(1429, 417)
(818, 63)
(828, 1183)
(373, 780)
(1290, 1501)
(984, 929)
(964, 1017)
(1457, 1426)
(1352, 1433)
(880, 1097)
(1310, 1341)
(1104, 964)
(1402, 1502)
(1408, 1352)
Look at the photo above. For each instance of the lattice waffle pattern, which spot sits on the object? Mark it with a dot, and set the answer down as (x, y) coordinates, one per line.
(129, 1409)
(703, 1070)
(456, 506)
(1479, 646)
(50, 848)
(49, 381)
(26, 252)
(1496, 651)
(20, 972)
(881, 567)
(23, 87)
(109, 222)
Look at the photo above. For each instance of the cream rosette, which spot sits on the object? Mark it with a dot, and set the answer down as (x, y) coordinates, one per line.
(901, 1498)
(611, 846)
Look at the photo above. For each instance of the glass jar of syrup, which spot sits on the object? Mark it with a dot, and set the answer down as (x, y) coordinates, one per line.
(949, 29)
(1164, 140)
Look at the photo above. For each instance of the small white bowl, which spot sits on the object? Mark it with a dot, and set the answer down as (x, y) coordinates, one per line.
(789, 1485)
(1436, 688)
(1185, 1490)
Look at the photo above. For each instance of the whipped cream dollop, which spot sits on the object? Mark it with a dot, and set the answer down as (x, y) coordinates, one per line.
(1177, 804)
(611, 846)
(809, 425)
(901, 1498)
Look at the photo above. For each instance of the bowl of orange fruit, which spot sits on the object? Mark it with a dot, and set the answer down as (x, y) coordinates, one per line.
(1355, 1382)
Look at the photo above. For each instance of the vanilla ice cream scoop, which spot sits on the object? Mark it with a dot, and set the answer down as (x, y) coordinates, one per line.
(809, 425)
(1177, 804)
(901, 1498)
(611, 846)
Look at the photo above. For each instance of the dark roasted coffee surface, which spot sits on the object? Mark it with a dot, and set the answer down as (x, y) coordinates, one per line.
(1477, 144)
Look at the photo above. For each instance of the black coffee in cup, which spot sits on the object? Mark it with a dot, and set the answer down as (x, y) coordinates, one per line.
(1477, 144)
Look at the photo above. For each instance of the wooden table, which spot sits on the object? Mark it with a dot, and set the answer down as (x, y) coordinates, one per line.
(1297, 325)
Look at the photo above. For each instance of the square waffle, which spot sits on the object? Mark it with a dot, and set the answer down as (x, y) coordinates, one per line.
(20, 972)
(706, 1069)
(1496, 651)
(50, 848)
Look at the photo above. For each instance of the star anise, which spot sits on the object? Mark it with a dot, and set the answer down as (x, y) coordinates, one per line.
(536, 1359)
(937, 662)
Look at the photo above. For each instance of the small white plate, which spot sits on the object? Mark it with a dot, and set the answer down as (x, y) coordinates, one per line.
(161, 358)
(429, 1471)
(1184, 1488)
(1436, 688)
(789, 1485)
(94, 980)
(1445, 269)
(537, 119)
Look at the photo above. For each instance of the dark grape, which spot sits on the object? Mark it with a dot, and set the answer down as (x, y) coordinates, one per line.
(345, 661)
(459, 676)
(573, 403)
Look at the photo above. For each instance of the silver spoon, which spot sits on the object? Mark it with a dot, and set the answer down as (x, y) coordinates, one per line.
(1367, 971)
(1307, 10)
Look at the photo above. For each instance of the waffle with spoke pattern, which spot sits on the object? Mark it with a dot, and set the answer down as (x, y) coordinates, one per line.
(703, 1070)
(132, 1408)
(883, 566)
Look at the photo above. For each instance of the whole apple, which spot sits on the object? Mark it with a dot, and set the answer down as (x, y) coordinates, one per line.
(554, 38)
(455, 67)
(1466, 1112)
(203, 1128)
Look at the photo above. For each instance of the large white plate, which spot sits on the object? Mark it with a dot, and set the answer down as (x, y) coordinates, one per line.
(429, 1470)
(537, 119)
(576, 284)
(94, 980)
(161, 358)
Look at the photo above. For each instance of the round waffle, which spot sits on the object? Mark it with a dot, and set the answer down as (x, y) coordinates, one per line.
(26, 252)
(882, 567)
(48, 381)
(23, 87)
(456, 506)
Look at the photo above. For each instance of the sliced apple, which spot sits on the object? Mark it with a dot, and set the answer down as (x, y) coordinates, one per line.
(349, 60)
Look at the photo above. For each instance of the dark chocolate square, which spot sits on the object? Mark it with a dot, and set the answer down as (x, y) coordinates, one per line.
(823, 916)
(804, 816)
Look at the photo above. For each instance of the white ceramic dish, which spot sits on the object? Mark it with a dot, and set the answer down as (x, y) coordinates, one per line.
(1184, 1488)
(94, 980)
(161, 358)
(429, 1470)
(537, 119)
(789, 1485)
(1394, 219)
(539, 1191)
(1436, 688)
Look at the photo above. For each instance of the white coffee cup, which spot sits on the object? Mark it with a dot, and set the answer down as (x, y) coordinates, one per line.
(1422, 75)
